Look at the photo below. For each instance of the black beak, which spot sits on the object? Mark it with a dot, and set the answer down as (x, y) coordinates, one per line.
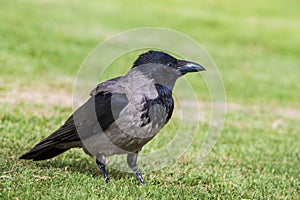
(187, 66)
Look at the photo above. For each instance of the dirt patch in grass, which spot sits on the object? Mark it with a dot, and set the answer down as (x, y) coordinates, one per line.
(63, 97)
(45, 96)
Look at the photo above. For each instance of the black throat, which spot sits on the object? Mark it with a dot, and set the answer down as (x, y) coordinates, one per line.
(164, 100)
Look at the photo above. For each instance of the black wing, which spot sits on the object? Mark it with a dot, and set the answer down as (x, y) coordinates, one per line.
(101, 109)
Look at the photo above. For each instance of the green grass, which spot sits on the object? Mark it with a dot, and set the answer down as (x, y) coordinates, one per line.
(255, 44)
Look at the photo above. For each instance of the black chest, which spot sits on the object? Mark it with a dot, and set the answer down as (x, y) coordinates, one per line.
(160, 109)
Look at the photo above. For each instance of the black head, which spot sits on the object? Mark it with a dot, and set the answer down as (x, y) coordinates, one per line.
(155, 57)
(162, 58)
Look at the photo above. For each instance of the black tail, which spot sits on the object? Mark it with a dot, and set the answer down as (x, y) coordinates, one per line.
(63, 139)
(37, 153)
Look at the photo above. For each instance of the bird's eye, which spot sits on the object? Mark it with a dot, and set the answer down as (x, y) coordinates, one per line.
(169, 64)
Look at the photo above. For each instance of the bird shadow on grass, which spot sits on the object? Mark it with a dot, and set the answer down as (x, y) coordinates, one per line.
(73, 162)
(89, 168)
(82, 165)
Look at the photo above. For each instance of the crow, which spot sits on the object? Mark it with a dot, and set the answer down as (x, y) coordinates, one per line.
(122, 114)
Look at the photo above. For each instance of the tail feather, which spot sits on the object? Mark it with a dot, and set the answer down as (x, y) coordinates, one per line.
(43, 154)
(63, 139)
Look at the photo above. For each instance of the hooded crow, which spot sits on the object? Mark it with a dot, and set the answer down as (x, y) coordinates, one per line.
(122, 114)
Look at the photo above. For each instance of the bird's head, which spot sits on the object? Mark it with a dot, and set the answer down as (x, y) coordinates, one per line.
(162, 59)
(164, 68)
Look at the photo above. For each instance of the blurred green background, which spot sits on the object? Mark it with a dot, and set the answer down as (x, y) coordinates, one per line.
(255, 45)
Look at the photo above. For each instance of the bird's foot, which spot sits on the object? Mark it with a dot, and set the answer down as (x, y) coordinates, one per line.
(138, 175)
(102, 168)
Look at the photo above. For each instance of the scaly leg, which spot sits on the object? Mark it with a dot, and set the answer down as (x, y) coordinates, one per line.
(101, 162)
(131, 160)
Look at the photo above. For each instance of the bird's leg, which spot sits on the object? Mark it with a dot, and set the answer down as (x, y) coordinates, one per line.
(101, 162)
(131, 160)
